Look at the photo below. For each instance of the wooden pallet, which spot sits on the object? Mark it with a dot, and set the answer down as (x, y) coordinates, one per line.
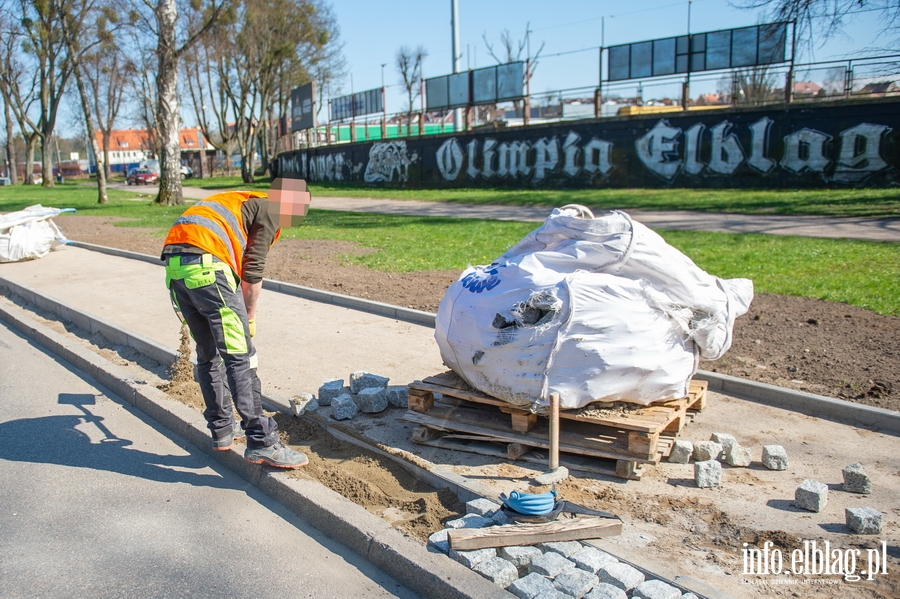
(628, 434)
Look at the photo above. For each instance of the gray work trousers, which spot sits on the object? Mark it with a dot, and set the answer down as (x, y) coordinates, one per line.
(214, 311)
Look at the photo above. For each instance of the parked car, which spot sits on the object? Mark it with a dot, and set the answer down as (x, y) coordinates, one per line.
(141, 176)
(186, 172)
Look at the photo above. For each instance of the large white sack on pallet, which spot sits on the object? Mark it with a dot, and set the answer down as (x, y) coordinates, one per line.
(596, 309)
(28, 234)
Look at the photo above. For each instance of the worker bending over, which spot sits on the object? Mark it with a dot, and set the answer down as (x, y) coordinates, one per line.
(215, 254)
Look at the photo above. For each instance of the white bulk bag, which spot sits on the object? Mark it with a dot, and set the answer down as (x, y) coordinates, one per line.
(28, 233)
(596, 309)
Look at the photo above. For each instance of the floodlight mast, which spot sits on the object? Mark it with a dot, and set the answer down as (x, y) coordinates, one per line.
(454, 24)
(686, 88)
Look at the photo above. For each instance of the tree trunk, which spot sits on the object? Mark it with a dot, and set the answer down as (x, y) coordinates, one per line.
(106, 169)
(30, 143)
(89, 122)
(11, 148)
(47, 159)
(167, 106)
(247, 160)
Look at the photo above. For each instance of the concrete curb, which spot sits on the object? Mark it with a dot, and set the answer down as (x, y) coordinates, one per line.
(820, 406)
(426, 573)
(810, 404)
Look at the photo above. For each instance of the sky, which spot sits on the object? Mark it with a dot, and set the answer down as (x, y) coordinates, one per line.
(570, 31)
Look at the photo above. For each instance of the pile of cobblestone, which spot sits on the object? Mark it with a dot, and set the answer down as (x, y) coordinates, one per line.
(367, 393)
(550, 570)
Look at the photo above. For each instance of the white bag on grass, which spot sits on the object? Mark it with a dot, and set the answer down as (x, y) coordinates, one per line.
(28, 234)
(596, 309)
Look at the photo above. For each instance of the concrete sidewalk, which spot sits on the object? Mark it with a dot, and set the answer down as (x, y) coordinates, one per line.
(300, 342)
(867, 229)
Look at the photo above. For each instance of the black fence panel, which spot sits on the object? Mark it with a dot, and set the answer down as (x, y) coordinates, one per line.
(852, 144)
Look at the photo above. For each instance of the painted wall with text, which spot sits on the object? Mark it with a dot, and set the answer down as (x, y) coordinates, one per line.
(800, 146)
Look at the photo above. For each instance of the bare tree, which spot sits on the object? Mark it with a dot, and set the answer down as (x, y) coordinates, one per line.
(173, 35)
(409, 65)
(241, 78)
(819, 20)
(19, 89)
(46, 57)
(10, 144)
(107, 74)
(511, 51)
(753, 86)
(84, 27)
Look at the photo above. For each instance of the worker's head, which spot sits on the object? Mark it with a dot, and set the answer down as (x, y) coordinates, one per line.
(288, 201)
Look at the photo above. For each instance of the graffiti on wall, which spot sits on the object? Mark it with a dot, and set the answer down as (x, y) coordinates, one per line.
(852, 145)
(521, 158)
(387, 159)
(859, 154)
(660, 152)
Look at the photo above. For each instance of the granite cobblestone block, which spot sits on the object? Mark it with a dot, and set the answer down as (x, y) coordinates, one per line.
(398, 396)
(330, 390)
(360, 380)
(343, 407)
(520, 556)
(681, 452)
(863, 520)
(621, 575)
(471, 558)
(604, 590)
(482, 507)
(575, 582)
(706, 450)
(372, 400)
(774, 457)
(550, 565)
(530, 586)
(655, 589)
(708, 474)
(811, 495)
(856, 480)
(564, 548)
(497, 570)
(470, 521)
(591, 559)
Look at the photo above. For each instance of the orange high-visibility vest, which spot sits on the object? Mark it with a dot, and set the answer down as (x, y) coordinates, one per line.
(215, 226)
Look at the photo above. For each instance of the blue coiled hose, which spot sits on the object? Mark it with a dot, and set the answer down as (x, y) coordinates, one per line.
(530, 504)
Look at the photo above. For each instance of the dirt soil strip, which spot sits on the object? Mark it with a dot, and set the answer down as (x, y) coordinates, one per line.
(700, 532)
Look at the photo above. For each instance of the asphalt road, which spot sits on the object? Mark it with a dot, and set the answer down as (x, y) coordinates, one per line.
(97, 501)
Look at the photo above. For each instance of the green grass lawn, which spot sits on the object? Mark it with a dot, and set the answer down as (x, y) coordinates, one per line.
(865, 202)
(861, 273)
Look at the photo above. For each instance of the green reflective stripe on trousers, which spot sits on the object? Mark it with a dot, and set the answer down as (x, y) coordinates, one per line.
(195, 275)
(233, 329)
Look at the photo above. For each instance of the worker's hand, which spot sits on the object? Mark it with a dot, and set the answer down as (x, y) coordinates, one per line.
(252, 323)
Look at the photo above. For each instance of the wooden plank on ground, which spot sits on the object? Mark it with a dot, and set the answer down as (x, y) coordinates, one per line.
(574, 529)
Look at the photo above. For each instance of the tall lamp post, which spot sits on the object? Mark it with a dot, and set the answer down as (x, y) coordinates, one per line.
(686, 89)
(454, 24)
(383, 104)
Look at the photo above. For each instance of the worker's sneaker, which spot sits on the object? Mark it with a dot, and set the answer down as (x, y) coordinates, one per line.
(225, 443)
(276, 455)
